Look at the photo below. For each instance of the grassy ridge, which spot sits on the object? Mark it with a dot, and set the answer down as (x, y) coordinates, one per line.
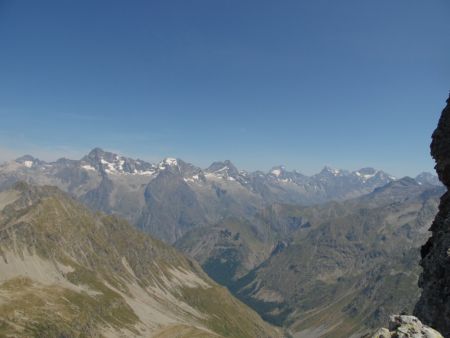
(91, 261)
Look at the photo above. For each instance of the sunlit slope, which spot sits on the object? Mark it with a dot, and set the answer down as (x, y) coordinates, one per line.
(68, 272)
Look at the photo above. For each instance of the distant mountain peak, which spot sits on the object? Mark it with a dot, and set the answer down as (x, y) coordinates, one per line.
(171, 164)
(225, 170)
(170, 161)
(98, 154)
(111, 163)
(26, 160)
(401, 182)
(278, 170)
(405, 181)
(329, 170)
(225, 166)
(367, 171)
(219, 165)
(96, 150)
(428, 178)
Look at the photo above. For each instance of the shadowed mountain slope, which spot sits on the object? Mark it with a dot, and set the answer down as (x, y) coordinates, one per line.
(348, 266)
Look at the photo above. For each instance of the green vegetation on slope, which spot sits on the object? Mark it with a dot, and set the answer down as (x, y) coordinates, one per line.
(68, 272)
(353, 265)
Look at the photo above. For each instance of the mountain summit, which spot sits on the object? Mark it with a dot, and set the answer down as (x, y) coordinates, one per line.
(113, 164)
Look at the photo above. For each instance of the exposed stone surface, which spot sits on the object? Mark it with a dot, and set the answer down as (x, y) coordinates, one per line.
(433, 307)
(406, 327)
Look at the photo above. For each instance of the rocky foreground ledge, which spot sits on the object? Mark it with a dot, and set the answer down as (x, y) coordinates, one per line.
(406, 327)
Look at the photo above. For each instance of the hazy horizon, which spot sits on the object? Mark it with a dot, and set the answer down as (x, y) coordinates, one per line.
(303, 84)
(203, 166)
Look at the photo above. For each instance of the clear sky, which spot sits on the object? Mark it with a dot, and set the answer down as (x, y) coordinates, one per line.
(346, 83)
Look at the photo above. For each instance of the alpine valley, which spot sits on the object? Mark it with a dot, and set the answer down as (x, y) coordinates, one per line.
(327, 255)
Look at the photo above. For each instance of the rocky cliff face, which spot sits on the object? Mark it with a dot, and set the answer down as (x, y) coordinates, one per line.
(433, 307)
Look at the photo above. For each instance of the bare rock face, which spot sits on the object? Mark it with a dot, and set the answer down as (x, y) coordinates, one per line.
(433, 307)
(406, 327)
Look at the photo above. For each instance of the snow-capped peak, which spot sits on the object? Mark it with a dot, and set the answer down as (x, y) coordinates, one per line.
(332, 171)
(224, 170)
(170, 161)
(28, 161)
(365, 176)
(113, 164)
(224, 166)
(277, 171)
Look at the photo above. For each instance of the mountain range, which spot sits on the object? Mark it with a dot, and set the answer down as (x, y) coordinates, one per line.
(327, 255)
(170, 198)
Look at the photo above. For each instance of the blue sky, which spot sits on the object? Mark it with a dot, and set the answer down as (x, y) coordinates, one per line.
(346, 83)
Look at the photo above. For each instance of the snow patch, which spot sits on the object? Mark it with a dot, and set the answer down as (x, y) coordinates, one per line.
(121, 163)
(170, 161)
(335, 172)
(276, 172)
(366, 177)
(88, 167)
(144, 172)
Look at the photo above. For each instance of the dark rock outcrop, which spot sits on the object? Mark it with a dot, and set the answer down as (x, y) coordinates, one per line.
(433, 307)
